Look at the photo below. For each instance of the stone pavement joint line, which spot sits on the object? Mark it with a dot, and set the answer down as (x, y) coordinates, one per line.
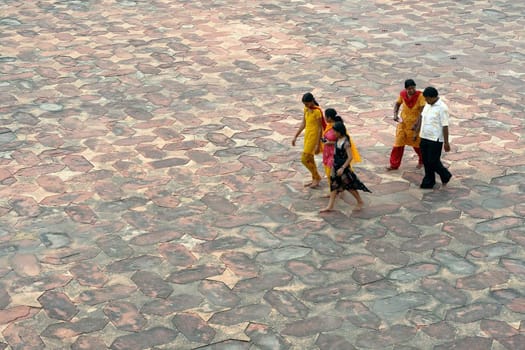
(150, 197)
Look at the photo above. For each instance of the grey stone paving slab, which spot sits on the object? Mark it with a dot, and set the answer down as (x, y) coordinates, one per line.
(150, 196)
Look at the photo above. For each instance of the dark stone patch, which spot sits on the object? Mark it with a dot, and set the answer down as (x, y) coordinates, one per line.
(387, 252)
(413, 272)
(364, 276)
(467, 343)
(155, 237)
(195, 274)
(85, 342)
(331, 292)
(25, 206)
(498, 329)
(57, 305)
(473, 312)
(99, 296)
(241, 264)
(312, 326)
(260, 236)
(392, 308)
(169, 162)
(145, 339)
(262, 283)
(66, 256)
(306, 271)
(400, 226)
(151, 284)
(286, 303)
(142, 262)
(175, 303)
(125, 316)
(323, 245)
(422, 318)
(81, 213)
(219, 203)
(358, 314)
(256, 312)
(348, 262)
(278, 213)
(193, 327)
(218, 293)
(483, 280)
(514, 266)
(443, 291)
(55, 240)
(333, 342)
(114, 246)
(228, 345)
(277, 255)
(266, 338)
(89, 274)
(424, 243)
(252, 134)
(5, 299)
(397, 334)
(454, 262)
(441, 330)
(177, 255)
(21, 337)
(72, 329)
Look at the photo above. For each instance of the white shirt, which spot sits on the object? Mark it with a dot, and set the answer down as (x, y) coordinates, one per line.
(435, 117)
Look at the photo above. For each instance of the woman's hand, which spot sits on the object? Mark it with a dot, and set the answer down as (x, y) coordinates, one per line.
(293, 140)
(340, 171)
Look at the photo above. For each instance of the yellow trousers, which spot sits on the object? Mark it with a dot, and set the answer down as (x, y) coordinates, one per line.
(308, 161)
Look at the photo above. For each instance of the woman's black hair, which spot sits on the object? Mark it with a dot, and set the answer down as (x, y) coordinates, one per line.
(409, 83)
(331, 113)
(340, 128)
(308, 97)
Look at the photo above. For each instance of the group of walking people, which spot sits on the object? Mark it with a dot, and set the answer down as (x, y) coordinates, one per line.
(422, 124)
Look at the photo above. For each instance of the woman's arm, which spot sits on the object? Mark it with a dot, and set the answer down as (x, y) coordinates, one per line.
(348, 160)
(299, 131)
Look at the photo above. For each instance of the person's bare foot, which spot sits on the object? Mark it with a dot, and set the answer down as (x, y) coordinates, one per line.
(359, 206)
(419, 166)
(326, 210)
(315, 184)
(307, 184)
(326, 195)
(389, 168)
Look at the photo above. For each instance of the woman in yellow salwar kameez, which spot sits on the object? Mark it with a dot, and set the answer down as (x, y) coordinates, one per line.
(312, 124)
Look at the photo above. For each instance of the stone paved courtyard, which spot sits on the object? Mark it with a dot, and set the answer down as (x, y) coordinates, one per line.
(150, 197)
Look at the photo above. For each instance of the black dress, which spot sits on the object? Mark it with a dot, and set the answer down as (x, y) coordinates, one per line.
(348, 180)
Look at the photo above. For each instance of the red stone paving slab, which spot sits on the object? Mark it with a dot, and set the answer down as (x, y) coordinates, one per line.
(150, 196)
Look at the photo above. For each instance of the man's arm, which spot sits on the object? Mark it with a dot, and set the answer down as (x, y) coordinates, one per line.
(446, 145)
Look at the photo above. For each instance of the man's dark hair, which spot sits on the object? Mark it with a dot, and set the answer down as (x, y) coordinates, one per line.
(430, 92)
(409, 83)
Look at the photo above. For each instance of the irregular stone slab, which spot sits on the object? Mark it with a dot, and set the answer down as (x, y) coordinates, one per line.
(89, 274)
(262, 283)
(114, 246)
(84, 342)
(306, 271)
(348, 262)
(25, 264)
(508, 180)
(278, 213)
(441, 330)
(517, 305)
(298, 229)
(277, 255)
(397, 334)
(514, 342)
(151, 284)
(228, 345)
(499, 224)
(177, 254)
(241, 264)
(427, 242)
(498, 329)
(420, 318)
(22, 337)
(218, 293)
(453, 262)
(376, 211)
(387, 252)
(333, 342)
(413, 272)
(57, 305)
(224, 243)
(193, 327)
(358, 314)
(514, 266)
(72, 329)
(5, 299)
(238, 220)
(66, 256)
(443, 291)
(397, 305)
(482, 280)
(473, 312)
(55, 240)
(363, 276)
(312, 326)
(477, 343)
(260, 236)
(195, 274)
(331, 292)
(400, 226)
(99, 296)
(323, 245)
(266, 338)
(256, 312)
(125, 316)
(156, 237)
(25, 206)
(473, 209)
(142, 262)
(144, 339)
(286, 303)
(219, 203)
(14, 313)
(463, 234)
(517, 236)
(493, 251)
(165, 307)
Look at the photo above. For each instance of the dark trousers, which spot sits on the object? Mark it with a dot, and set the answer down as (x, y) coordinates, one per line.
(431, 153)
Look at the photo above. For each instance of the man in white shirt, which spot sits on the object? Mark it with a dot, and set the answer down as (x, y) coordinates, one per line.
(433, 130)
